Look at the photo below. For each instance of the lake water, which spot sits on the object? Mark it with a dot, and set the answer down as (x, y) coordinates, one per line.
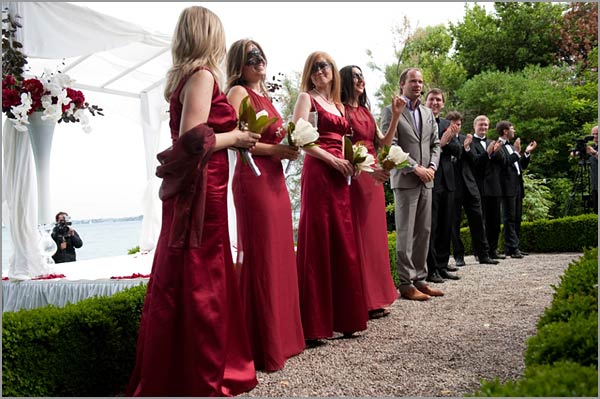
(111, 238)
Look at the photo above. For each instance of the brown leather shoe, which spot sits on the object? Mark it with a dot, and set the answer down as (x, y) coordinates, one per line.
(425, 289)
(412, 293)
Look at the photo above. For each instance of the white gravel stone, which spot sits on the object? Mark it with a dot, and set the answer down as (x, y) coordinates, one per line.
(441, 347)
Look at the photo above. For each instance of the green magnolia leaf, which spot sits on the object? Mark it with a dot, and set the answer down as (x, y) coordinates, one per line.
(359, 159)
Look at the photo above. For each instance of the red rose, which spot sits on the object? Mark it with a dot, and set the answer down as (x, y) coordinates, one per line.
(76, 97)
(8, 80)
(10, 97)
(36, 89)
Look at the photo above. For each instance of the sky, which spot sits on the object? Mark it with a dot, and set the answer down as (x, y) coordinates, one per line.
(102, 174)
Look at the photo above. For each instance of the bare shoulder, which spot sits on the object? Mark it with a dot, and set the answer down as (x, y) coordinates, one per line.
(237, 91)
(201, 77)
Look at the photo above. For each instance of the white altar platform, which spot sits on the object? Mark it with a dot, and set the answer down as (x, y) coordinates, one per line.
(83, 279)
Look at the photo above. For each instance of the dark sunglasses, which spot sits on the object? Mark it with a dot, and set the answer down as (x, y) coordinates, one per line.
(358, 76)
(255, 57)
(320, 66)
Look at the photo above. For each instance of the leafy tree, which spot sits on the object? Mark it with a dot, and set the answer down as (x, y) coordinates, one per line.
(549, 105)
(579, 34)
(537, 200)
(516, 35)
(428, 49)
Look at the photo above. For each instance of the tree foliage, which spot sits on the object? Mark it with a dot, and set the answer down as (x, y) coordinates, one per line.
(579, 34)
(516, 35)
(549, 105)
(428, 49)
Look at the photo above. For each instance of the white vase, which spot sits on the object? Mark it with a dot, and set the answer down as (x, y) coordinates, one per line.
(40, 135)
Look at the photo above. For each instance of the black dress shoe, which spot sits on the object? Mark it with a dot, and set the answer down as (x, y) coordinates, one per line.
(495, 255)
(516, 254)
(460, 261)
(444, 274)
(434, 278)
(487, 261)
(451, 268)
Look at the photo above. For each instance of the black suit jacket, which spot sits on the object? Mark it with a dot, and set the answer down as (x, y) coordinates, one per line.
(486, 169)
(463, 171)
(444, 179)
(511, 182)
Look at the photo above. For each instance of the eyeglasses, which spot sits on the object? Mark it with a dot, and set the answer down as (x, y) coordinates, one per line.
(320, 66)
(255, 57)
(358, 76)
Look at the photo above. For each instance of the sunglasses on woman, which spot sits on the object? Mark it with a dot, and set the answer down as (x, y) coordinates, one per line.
(255, 57)
(358, 76)
(320, 66)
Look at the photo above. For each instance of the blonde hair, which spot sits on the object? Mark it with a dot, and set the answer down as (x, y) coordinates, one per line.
(198, 41)
(306, 83)
(236, 60)
(480, 118)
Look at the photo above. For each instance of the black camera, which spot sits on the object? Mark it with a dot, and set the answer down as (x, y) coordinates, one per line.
(62, 227)
(581, 146)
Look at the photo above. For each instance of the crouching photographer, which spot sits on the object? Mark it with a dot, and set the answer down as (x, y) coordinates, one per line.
(66, 239)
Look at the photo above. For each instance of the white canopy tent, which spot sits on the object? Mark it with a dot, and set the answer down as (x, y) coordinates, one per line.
(100, 53)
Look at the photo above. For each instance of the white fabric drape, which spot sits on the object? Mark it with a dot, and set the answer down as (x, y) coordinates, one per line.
(59, 30)
(19, 195)
(49, 30)
(152, 105)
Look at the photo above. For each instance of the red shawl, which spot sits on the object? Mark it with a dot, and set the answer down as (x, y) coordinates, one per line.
(183, 170)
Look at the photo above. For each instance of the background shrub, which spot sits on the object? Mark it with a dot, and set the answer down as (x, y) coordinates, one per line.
(561, 379)
(83, 349)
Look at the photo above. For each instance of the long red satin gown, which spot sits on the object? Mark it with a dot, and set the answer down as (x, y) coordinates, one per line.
(268, 279)
(368, 215)
(329, 276)
(192, 339)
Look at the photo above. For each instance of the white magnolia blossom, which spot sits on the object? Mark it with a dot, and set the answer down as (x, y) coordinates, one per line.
(262, 113)
(84, 119)
(304, 133)
(20, 112)
(361, 151)
(57, 82)
(397, 155)
(52, 112)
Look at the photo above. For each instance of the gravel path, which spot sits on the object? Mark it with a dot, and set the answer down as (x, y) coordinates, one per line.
(441, 347)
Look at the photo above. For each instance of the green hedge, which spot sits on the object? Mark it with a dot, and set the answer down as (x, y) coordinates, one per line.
(562, 358)
(83, 349)
(568, 234)
(562, 379)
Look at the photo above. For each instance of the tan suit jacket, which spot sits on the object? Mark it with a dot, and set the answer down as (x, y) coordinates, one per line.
(423, 148)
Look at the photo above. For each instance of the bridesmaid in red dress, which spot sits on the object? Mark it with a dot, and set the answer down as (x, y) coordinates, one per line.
(192, 339)
(367, 196)
(329, 277)
(268, 278)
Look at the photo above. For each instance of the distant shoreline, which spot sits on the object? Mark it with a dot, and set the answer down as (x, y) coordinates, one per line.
(102, 220)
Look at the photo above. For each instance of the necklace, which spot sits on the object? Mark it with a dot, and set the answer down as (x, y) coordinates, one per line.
(322, 96)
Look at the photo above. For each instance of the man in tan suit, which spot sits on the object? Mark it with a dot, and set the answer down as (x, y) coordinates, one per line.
(417, 134)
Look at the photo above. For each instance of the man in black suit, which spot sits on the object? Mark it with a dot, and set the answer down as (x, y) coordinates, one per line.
(486, 170)
(443, 194)
(467, 195)
(511, 182)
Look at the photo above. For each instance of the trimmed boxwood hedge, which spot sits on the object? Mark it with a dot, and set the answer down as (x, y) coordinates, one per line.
(562, 358)
(568, 234)
(83, 349)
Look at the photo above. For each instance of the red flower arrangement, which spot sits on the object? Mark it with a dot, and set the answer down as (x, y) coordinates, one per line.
(50, 94)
